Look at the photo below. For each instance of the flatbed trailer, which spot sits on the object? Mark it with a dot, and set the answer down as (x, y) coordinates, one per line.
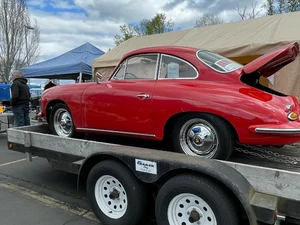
(123, 183)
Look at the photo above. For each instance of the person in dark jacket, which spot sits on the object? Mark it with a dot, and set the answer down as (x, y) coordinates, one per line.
(20, 98)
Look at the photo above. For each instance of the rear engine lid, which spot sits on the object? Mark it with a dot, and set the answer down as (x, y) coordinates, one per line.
(270, 63)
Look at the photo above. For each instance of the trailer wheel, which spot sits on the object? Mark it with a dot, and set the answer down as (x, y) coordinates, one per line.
(61, 122)
(115, 194)
(188, 199)
(203, 135)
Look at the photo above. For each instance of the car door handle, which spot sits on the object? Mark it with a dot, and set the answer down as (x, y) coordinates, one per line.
(143, 96)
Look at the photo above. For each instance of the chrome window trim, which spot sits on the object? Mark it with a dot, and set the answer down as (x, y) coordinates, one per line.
(159, 67)
(116, 132)
(174, 57)
(214, 68)
(125, 64)
(126, 61)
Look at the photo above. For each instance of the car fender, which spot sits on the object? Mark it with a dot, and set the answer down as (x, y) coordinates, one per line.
(239, 105)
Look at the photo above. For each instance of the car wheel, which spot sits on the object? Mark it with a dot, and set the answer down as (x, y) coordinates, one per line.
(203, 135)
(61, 121)
(191, 199)
(115, 194)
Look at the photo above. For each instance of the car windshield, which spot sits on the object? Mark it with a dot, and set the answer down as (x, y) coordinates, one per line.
(217, 62)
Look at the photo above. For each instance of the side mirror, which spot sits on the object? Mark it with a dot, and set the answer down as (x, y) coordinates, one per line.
(98, 77)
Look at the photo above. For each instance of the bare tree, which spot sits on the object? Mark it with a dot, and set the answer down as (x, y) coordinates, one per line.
(19, 39)
(208, 19)
(246, 14)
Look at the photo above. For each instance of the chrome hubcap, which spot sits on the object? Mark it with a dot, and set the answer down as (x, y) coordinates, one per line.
(198, 138)
(190, 209)
(63, 124)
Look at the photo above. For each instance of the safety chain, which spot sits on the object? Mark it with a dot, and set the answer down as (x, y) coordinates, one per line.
(267, 154)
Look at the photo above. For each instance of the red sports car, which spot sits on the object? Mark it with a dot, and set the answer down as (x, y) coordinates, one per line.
(203, 101)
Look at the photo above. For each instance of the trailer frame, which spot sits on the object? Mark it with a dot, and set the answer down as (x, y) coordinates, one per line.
(265, 194)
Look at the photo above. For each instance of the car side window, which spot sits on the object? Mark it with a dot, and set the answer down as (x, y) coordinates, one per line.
(141, 67)
(175, 68)
(138, 67)
(119, 75)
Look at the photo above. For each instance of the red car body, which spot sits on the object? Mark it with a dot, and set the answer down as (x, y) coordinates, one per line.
(143, 108)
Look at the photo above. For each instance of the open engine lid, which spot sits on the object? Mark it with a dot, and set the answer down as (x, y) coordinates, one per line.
(270, 63)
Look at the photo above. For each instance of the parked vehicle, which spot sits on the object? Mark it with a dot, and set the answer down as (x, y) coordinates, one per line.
(35, 94)
(35, 91)
(5, 94)
(203, 101)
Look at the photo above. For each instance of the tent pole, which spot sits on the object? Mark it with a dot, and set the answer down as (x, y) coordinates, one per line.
(80, 77)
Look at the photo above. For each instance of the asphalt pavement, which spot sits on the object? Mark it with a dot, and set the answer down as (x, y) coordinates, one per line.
(34, 193)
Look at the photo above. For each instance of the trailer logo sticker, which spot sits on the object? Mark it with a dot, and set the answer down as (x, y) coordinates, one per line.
(145, 166)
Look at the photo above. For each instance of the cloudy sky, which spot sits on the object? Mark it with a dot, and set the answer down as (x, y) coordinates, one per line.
(66, 24)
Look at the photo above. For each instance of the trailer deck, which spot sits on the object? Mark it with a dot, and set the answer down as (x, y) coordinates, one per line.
(272, 171)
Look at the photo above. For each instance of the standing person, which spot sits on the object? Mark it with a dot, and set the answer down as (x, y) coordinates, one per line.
(20, 98)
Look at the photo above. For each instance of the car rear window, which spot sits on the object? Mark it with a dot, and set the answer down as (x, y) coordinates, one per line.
(217, 62)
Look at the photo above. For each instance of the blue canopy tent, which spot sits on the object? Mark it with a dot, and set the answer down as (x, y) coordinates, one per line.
(70, 65)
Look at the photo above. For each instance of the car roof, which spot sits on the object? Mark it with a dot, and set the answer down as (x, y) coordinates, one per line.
(174, 50)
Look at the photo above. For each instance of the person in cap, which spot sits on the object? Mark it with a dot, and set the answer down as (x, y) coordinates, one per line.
(20, 98)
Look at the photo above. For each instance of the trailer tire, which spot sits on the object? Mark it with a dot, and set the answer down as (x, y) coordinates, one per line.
(115, 194)
(186, 199)
(203, 135)
(61, 122)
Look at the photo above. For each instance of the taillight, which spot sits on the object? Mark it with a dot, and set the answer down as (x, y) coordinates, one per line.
(292, 116)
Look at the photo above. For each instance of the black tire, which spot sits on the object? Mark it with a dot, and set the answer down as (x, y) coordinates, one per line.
(220, 130)
(208, 201)
(70, 132)
(135, 193)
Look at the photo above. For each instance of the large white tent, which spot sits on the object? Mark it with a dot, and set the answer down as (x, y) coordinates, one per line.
(242, 41)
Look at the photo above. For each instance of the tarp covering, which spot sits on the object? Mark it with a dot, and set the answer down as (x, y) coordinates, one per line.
(242, 41)
(66, 66)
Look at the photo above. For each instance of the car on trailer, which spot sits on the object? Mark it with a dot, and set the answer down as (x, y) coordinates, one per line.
(203, 101)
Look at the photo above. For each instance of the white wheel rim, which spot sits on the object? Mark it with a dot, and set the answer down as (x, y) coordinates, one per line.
(189, 209)
(111, 197)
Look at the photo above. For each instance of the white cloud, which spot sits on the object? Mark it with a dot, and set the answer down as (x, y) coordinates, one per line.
(121, 10)
(65, 31)
(70, 23)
